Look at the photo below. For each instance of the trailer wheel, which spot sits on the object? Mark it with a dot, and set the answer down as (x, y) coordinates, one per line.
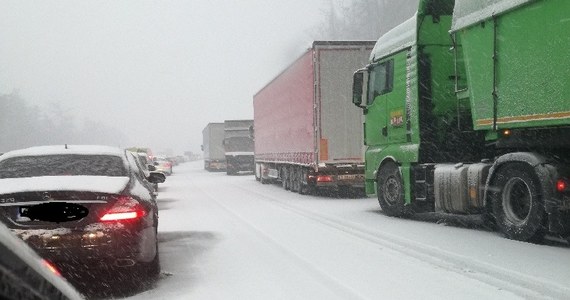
(517, 203)
(231, 171)
(390, 191)
(305, 188)
(294, 179)
(299, 180)
(284, 178)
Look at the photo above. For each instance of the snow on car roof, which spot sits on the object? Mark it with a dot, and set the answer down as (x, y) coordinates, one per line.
(65, 149)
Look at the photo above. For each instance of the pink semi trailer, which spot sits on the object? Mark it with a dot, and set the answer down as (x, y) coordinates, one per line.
(307, 134)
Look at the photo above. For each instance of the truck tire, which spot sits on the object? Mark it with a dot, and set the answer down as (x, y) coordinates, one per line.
(284, 174)
(305, 188)
(390, 191)
(298, 180)
(517, 202)
(294, 179)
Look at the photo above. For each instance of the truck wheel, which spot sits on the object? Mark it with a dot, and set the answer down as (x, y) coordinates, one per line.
(304, 188)
(391, 191)
(284, 178)
(517, 203)
(293, 179)
(299, 180)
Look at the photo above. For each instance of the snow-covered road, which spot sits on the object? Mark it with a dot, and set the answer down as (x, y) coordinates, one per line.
(230, 237)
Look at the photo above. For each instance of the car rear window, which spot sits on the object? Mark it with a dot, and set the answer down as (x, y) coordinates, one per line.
(62, 165)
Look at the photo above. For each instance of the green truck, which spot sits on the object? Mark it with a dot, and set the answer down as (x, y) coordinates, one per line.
(467, 111)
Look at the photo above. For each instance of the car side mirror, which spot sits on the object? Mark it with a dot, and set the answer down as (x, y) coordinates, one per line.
(151, 168)
(156, 177)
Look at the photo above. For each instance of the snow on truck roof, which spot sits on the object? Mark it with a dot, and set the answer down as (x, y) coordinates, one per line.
(65, 149)
(469, 12)
(349, 44)
(465, 14)
(399, 38)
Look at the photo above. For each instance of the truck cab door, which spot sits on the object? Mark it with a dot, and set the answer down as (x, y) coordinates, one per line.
(396, 102)
(380, 83)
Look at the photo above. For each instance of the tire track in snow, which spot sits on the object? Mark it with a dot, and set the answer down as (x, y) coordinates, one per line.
(520, 284)
(338, 288)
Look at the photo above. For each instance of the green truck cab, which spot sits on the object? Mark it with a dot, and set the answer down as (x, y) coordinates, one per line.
(467, 111)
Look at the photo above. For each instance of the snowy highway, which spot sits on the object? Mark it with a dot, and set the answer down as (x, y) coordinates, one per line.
(230, 237)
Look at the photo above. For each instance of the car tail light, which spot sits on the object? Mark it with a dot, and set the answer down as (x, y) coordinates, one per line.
(126, 208)
(51, 267)
(324, 178)
(562, 185)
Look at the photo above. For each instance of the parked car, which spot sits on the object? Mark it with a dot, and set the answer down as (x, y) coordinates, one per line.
(146, 166)
(27, 276)
(163, 165)
(84, 208)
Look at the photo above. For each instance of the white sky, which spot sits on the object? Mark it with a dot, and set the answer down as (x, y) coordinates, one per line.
(158, 70)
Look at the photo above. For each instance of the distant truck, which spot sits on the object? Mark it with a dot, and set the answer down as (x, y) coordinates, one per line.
(213, 147)
(467, 109)
(307, 134)
(238, 145)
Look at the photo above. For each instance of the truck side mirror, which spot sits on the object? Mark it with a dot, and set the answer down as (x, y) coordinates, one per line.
(357, 84)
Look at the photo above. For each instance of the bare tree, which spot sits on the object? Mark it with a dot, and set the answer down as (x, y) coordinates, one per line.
(22, 125)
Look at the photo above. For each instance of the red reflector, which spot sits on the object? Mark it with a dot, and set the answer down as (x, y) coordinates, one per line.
(126, 208)
(324, 178)
(50, 267)
(561, 185)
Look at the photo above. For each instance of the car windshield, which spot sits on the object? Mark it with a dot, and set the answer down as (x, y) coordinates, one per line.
(58, 165)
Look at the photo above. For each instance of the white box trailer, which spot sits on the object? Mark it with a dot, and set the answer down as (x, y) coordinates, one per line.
(238, 143)
(213, 147)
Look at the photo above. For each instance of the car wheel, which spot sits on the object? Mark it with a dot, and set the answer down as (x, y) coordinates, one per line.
(517, 203)
(390, 191)
(151, 270)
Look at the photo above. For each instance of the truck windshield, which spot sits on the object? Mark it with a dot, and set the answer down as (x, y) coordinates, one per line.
(241, 144)
(380, 80)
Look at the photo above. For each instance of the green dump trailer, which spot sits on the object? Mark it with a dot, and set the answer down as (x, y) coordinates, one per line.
(467, 111)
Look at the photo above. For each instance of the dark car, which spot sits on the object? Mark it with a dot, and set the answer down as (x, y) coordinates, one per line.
(83, 208)
(24, 275)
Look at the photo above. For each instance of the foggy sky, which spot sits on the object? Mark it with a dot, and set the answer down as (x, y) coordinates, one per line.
(157, 70)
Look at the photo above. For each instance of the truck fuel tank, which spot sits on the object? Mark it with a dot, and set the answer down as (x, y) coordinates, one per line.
(458, 188)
